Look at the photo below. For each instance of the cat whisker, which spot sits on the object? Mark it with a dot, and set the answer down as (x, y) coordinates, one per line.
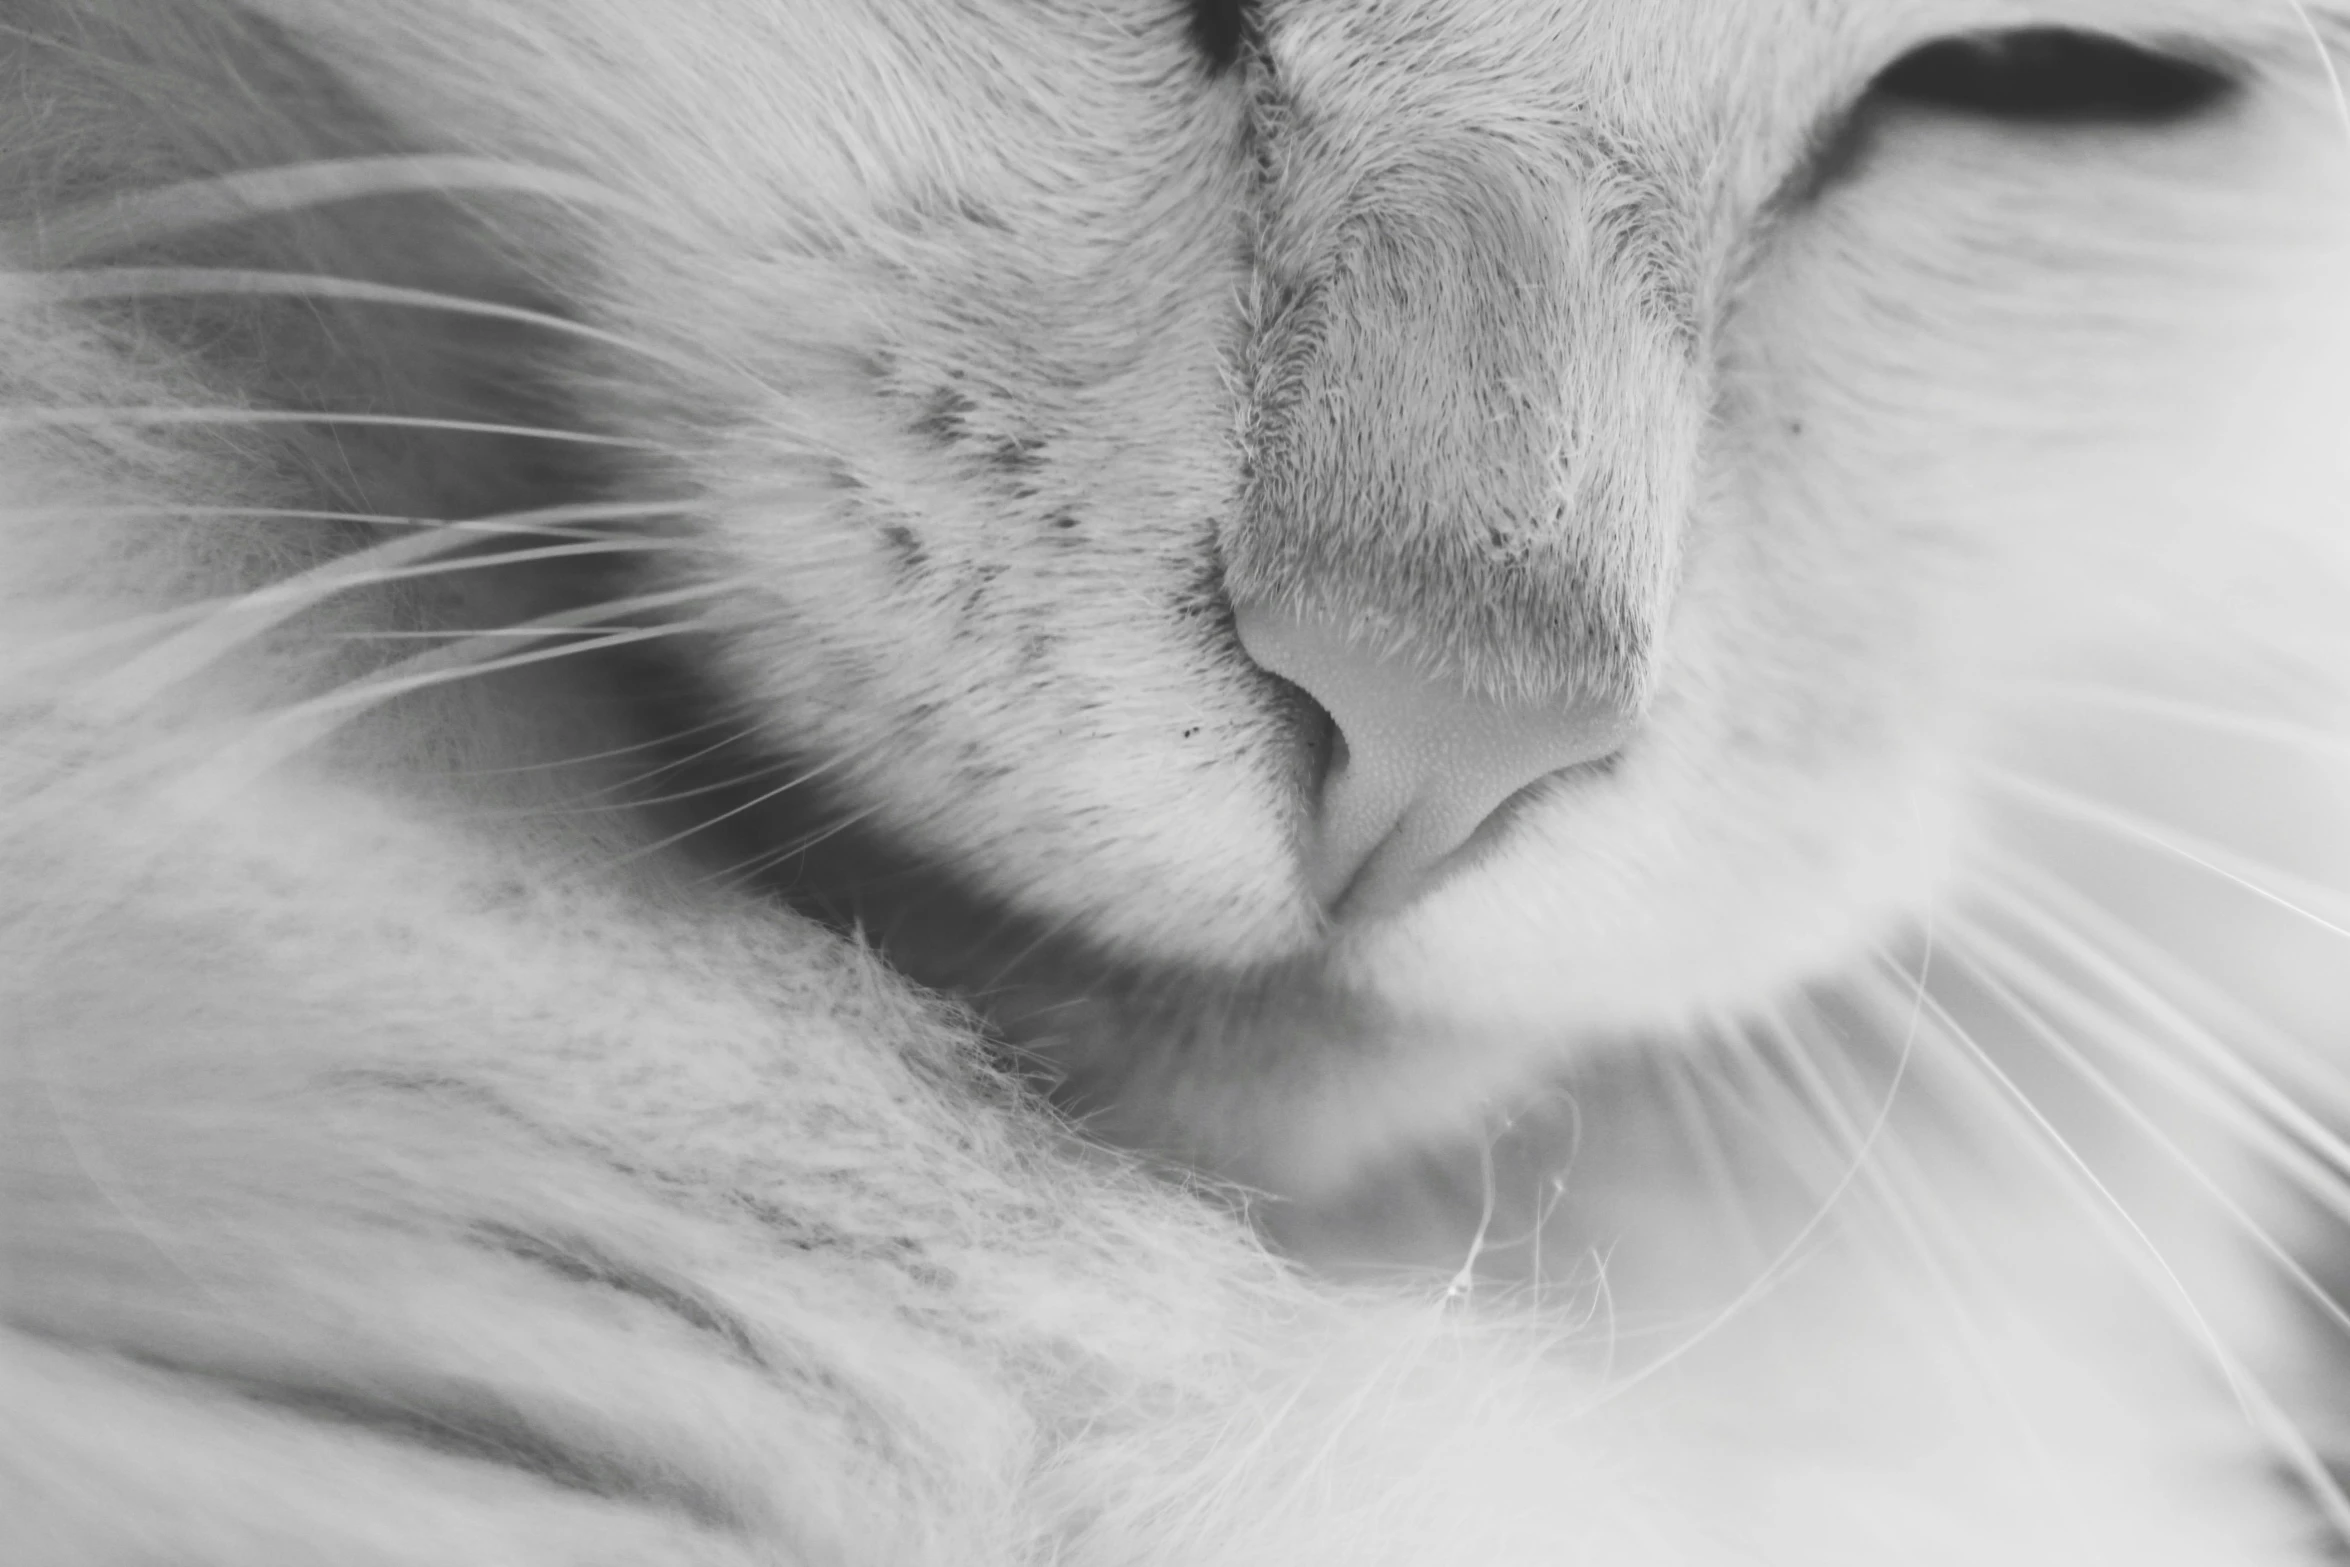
(578, 521)
(273, 737)
(1908, 1196)
(185, 641)
(798, 779)
(160, 212)
(407, 557)
(100, 416)
(2221, 862)
(2260, 1407)
(195, 637)
(2068, 928)
(621, 789)
(544, 522)
(2025, 988)
(343, 572)
(1684, 1089)
(1057, 928)
(743, 872)
(659, 743)
(2139, 1252)
(2325, 58)
(1796, 1246)
(103, 283)
(2067, 1160)
(2176, 987)
(489, 633)
(88, 284)
(604, 802)
(1832, 1103)
(1780, 1111)
(2133, 1245)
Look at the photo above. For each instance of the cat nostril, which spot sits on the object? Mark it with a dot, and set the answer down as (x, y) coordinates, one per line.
(1419, 762)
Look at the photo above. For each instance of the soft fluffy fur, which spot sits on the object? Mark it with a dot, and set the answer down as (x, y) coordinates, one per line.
(649, 908)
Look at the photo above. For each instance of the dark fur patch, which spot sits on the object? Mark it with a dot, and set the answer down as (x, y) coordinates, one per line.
(945, 417)
(1013, 455)
(906, 545)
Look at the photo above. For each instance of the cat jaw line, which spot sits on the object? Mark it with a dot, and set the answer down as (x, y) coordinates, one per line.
(1421, 765)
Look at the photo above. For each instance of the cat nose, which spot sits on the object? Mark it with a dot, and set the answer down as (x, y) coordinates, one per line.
(1421, 761)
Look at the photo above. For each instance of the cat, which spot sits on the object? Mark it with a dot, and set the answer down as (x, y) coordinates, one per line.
(1111, 781)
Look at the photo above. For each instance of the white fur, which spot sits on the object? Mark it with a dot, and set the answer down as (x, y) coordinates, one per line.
(406, 1155)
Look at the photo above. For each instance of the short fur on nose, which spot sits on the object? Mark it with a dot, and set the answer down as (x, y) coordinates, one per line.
(1422, 761)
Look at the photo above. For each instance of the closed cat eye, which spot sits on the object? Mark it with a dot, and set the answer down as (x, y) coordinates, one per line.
(2055, 77)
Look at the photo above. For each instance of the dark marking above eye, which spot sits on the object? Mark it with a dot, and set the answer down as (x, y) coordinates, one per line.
(1222, 29)
(2053, 76)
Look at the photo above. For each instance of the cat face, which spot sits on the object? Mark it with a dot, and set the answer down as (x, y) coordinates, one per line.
(1466, 530)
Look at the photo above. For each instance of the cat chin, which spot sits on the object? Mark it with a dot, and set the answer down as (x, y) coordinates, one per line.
(1664, 924)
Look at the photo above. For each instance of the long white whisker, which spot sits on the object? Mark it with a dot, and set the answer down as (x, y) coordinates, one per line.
(2005, 972)
(2103, 1205)
(84, 645)
(733, 735)
(742, 871)
(1906, 1208)
(798, 780)
(142, 217)
(1684, 1088)
(144, 282)
(180, 658)
(195, 635)
(2259, 1407)
(2325, 60)
(2229, 866)
(2227, 1065)
(1829, 1101)
(601, 802)
(2174, 985)
(1796, 1245)
(204, 767)
(571, 520)
(57, 416)
(552, 522)
(633, 748)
